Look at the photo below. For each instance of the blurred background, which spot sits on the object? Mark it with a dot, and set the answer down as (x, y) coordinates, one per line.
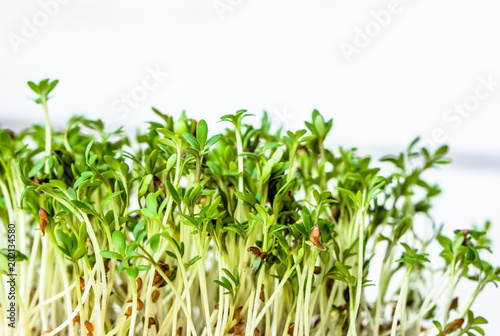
(385, 71)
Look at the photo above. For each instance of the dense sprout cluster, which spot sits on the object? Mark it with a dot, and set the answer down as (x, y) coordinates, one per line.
(252, 231)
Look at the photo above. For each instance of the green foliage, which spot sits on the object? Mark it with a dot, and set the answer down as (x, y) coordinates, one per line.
(277, 224)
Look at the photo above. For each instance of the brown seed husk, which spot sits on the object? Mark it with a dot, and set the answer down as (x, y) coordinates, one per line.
(262, 296)
(254, 250)
(151, 321)
(455, 325)
(238, 328)
(43, 225)
(336, 213)
(158, 279)
(316, 242)
(155, 295)
(314, 238)
(106, 265)
(43, 214)
(140, 304)
(316, 232)
(89, 326)
(237, 313)
(139, 284)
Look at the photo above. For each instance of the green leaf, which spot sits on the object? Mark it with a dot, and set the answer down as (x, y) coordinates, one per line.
(144, 185)
(441, 151)
(34, 87)
(192, 140)
(402, 227)
(192, 261)
(36, 168)
(85, 175)
(52, 85)
(132, 272)
(173, 193)
(201, 132)
(281, 240)
(18, 256)
(110, 255)
(87, 151)
(119, 241)
(80, 253)
(146, 212)
(230, 276)
(213, 140)
(438, 325)
(350, 194)
(266, 171)
(480, 320)
(151, 203)
(154, 242)
(108, 198)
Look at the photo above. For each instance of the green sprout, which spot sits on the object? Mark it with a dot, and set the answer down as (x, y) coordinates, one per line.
(184, 232)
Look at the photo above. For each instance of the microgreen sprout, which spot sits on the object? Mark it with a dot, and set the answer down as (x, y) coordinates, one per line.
(247, 232)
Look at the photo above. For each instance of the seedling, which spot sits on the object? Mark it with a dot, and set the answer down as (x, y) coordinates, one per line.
(247, 232)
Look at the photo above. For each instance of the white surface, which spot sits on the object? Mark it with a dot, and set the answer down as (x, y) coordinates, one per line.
(286, 57)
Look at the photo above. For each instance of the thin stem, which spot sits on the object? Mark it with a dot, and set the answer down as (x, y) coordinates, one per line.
(48, 133)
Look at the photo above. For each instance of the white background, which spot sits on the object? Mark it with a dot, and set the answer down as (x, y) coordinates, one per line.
(286, 57)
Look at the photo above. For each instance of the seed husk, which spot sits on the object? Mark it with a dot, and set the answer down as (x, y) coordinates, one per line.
(314, 238)
(262, 295)
(44, 220)
(140, 304)
(238, 328)
(336, 214)
(139, 284)
(455, 325)
(106, 265)
(237, 313)
(43, 214)
(454, 304)
(155, 295)
(159, 184)
(76, 319)
(89, 326)
(158, 279)
(254, 250)
(151, 321)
